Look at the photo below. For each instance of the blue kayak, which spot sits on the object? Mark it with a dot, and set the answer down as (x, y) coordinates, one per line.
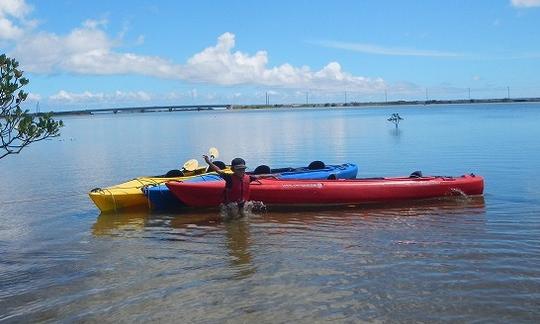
(340, 171)
(162, 199)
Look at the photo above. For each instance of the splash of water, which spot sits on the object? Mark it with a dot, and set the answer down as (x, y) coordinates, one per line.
(232, 211)
(459, 193)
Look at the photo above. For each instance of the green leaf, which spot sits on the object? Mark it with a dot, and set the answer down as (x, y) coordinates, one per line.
(18, 122)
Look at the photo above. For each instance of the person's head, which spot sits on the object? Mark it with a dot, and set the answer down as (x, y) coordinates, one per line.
(238, 165)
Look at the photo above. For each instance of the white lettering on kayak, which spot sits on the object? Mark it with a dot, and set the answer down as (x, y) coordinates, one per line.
(303, 185)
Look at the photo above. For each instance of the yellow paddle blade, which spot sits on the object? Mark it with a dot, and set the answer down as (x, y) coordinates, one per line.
(213, 153)
(191, 165)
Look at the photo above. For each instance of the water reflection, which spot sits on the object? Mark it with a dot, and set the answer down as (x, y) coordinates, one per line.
(193, 225)
(396, 132)
(238, 244)
(116, 223)
(417, 208)
(300, 251)
(238, 231)
(140, 220)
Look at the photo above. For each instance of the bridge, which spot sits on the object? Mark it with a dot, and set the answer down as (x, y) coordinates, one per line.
(140, 109)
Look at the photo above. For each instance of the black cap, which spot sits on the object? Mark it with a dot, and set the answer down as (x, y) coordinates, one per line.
(238, 163)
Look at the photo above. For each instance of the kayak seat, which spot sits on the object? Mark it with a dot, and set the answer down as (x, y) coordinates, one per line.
(316, 165)
(332, 177)
(220, 164)
(173, 173)
(262, 169)
(416, 174)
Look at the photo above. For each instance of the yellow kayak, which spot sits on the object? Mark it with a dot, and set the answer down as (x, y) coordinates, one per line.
(130, 195)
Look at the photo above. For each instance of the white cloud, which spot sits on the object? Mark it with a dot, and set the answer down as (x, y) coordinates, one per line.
(15, 8)
(137, 95)
(33, 97)
(13, 18)
(140, 40)
(89, 50)
(220, 65)
(93, 24)
(85, 50)
(525, 3)
(65, 97)
(8, 30)
(376, 49)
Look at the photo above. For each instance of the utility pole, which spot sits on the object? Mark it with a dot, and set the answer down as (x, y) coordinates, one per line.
(385, 96)
(469, 93)
(307, 97)
(345, 96)
(508, 91)
(426, 94)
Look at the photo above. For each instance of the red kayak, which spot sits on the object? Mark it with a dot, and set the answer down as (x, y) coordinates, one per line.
(332, 192)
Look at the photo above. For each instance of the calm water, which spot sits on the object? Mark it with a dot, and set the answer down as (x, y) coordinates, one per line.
(436, 261)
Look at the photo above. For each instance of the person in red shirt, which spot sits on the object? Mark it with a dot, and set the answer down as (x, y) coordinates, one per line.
(236, 185)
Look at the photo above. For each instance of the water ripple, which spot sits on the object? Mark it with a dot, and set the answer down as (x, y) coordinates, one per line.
(458, 260)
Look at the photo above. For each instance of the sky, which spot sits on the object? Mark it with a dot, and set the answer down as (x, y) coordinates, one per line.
(102, 53)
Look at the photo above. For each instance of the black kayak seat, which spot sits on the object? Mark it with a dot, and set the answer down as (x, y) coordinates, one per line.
(262, 169)
(316, 165)
(416, 174)
(220, 164)
(173, 174)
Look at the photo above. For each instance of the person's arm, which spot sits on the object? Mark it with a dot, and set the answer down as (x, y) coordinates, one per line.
(212, 165)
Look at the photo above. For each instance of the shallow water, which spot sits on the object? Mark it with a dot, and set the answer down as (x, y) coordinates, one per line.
(463, 259)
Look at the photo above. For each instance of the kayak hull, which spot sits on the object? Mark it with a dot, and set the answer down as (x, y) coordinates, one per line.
(130, 195)
(332, 192)
(162, 199)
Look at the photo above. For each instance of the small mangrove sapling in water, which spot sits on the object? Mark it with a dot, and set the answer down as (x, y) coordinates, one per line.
(395, 118)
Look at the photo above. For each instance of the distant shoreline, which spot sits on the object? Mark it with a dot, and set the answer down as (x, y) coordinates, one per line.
(308, 105)
(391, 103)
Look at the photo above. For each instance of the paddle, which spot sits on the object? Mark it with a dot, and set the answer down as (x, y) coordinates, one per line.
(191, 165)
(213, 153)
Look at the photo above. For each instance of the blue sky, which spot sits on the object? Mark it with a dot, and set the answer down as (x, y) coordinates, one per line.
(122, 53)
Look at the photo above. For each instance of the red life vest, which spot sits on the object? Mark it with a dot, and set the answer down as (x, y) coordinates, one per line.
(239, 190)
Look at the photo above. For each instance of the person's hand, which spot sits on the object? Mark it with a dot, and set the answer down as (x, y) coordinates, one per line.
(206, 159)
